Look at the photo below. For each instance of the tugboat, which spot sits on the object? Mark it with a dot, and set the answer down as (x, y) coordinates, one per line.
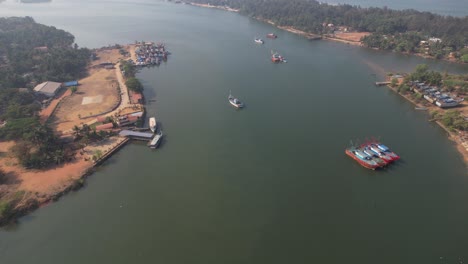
(259, 41)
(152, 124)
(234, 101)
(276, 58)
(271, 35)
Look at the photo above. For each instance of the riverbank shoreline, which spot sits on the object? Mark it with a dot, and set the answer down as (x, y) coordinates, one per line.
(452, 136)
(312, 36)
(27, 190)
(226, 8)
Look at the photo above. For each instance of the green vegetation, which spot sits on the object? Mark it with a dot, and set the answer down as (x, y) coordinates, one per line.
(73, 89)
(422, 74)
(40, 148)
(399, 30)
(97, 155)
(403, 88)
(31, 53)
(453, 120)
(17, 104)
(134, 84)
(464, 58)
(87, 134)
(5, 207)
(3, 177)
(128, 69)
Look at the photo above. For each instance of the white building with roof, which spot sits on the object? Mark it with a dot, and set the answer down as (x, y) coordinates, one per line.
(48, 89)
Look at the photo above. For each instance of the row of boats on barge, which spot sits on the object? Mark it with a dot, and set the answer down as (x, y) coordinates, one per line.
(372, 155)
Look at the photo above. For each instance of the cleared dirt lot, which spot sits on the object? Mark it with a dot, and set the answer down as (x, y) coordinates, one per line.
(96, 94)
(352, 36)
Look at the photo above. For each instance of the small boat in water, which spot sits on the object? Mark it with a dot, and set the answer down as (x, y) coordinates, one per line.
(234, 101)
(276, 58)
(259, 41)
(152, 124)
(271, 35)
(154, 143)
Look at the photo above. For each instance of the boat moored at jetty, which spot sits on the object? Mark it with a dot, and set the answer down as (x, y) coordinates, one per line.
(271, 35)
(259, 41)
(154, 143)
(152, 124)
(234, 101)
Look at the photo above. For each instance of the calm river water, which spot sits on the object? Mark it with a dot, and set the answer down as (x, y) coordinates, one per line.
(267, 184)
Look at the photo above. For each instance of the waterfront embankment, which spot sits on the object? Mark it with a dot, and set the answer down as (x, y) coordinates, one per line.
(226, 8)
(460, 138)
(102, 95)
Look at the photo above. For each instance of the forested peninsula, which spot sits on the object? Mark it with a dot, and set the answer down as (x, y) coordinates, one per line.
(31, 53)
(411, 31)
(59, 107)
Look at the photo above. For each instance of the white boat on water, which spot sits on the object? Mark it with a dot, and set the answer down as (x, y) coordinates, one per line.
(154, 143)
(234, 101)
(259, 41)
(152, 124)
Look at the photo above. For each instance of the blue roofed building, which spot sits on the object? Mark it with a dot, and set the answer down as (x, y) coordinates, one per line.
(72, 83)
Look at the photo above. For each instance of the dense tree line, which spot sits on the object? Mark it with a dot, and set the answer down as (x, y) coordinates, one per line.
(31, 53)
(40, 147)
(129, 71)
(312, 16)
(23, 63)
(422, 74)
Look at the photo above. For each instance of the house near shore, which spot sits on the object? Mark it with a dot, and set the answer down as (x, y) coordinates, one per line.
(48, 89)
(106, 126)
(435, 40)
(42, 49)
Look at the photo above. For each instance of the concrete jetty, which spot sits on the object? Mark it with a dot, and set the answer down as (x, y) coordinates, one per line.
(382, 83)
(136, 135)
